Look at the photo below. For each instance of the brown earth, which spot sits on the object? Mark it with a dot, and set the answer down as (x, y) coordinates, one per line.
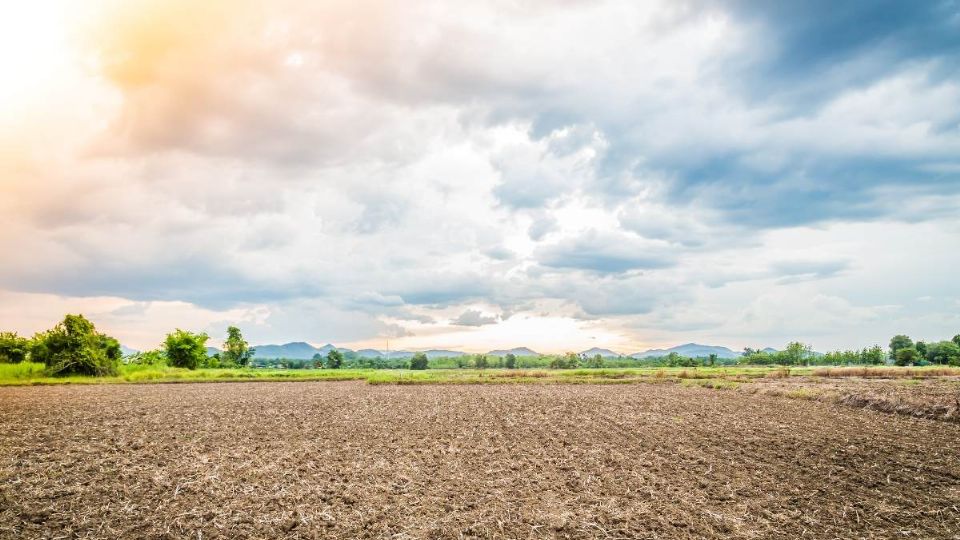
(349, 460)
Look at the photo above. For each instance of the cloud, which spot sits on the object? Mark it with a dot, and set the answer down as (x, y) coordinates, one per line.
(605, 253)
(313, 165)
(473, 317)
(791, 271)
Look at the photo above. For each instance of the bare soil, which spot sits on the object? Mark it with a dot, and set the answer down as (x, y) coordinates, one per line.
(350, 460)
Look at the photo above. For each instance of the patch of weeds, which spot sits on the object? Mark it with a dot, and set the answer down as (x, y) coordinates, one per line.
(802, 393)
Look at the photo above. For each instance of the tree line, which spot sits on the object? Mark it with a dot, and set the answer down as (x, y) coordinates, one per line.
(74, 346)
(905, 352)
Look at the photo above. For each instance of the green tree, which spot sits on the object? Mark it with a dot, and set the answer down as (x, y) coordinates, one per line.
(944, 352)
(797, 354)
(510, 361)
(712, 359)
(318, 361)
(899, 342)
(956, 339)
(480, 361)
(13, 348)
(186, 349)
(75, 346)
(236, 351)
(419, 361)
(595, 362)
(334, 359)
(874, 355)
(567, 361)
(921, 348)
(907, 356)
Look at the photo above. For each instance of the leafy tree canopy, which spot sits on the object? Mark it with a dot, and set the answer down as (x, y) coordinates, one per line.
(907, 356)
(334, 359)
(236, 351)
(186, 349)
(13, 348)
(899, 342)
(419, 361)
(75, 347)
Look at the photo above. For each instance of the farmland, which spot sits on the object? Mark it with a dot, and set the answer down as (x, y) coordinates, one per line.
(764, 457)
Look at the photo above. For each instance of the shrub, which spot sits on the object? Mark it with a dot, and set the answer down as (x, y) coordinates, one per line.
(75, 347)
(13, 348)
(149, 358)
(186, 349)
(419, 361)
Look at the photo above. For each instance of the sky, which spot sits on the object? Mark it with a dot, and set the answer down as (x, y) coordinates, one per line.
(556, 174)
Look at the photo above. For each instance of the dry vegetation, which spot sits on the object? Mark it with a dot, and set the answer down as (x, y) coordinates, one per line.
(935, 398)
(351, 460)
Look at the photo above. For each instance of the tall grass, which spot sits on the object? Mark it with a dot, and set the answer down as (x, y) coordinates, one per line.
(23, 371)
(887, 372)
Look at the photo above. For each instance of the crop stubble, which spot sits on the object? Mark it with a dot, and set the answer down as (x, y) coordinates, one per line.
(349, 460)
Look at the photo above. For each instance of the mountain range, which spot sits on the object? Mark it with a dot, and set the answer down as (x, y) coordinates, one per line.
(693, 350)
(300, 350)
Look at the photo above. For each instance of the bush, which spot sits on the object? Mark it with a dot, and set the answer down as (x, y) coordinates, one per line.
(13, 348)
(75, 347)
(149, 358)
(419, 361)
(185, 349)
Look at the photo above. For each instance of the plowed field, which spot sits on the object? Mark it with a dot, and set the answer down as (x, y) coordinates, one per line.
(350, 460)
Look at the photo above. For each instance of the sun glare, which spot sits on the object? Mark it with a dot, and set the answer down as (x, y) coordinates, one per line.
(33, 49)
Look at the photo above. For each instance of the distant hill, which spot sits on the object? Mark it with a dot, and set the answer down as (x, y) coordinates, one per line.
(212, 351)
(692, 350)
(516, 351)
(432, 353)
(605, 353)
(127, 351)
(440, 353)
(297, 350)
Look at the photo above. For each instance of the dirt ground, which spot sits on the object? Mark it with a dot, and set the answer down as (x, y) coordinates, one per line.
(350, 460)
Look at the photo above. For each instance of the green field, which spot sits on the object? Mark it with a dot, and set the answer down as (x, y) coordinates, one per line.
(29, 373)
